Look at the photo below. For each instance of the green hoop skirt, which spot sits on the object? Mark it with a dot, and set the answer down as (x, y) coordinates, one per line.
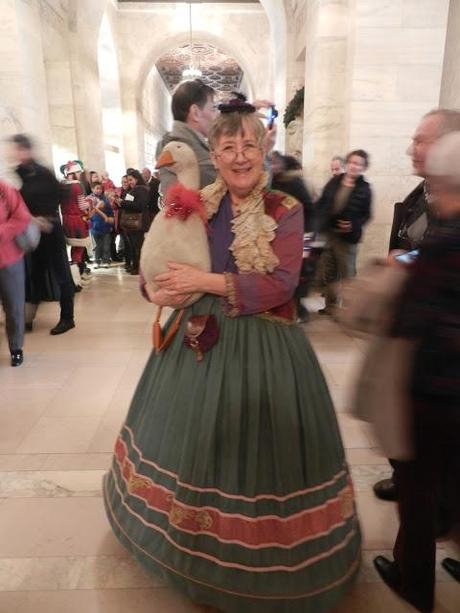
(229, 476)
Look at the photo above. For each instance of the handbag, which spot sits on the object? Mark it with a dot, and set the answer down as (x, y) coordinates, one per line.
(28, 240)
(382, 397)
(132, 222)
(201, 334)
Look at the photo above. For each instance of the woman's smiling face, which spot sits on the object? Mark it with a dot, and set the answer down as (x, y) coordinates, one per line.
(239, 160)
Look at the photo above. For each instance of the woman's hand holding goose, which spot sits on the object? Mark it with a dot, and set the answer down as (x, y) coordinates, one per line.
(184, 279)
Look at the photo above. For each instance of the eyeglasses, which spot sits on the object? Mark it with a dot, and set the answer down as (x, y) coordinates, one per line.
(229, 154)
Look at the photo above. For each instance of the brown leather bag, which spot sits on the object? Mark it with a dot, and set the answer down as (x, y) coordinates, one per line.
(132, 222)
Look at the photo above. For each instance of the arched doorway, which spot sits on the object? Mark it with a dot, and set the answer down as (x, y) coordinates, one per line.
(218, 69)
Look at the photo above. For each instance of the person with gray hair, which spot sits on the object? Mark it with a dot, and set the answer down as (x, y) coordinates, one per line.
(337, 165)
(429, 316)
(414, 217)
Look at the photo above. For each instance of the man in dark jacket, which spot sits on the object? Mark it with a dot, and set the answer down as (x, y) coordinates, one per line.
(413, 218)
(153, 184)
(428, 314)
(42, 193)
(343, 209)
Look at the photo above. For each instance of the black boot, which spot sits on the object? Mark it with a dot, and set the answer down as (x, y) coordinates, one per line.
(64, 325)
(17, 357)
(390, 575)
(453, 567)
(385, 490)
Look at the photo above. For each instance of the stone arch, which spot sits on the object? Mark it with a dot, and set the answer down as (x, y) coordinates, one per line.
(181, 38)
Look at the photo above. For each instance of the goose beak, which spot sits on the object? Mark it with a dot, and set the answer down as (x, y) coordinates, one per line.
(165, 159)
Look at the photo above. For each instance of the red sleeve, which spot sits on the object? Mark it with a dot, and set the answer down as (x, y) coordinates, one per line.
(249, 293)
(18, 217)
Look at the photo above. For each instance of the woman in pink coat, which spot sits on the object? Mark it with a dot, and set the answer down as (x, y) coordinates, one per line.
(14, 219)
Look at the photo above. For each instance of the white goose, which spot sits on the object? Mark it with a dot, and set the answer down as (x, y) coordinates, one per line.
(177, 235)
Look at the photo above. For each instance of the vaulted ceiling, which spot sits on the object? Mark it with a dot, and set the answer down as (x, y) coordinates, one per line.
(219, 70)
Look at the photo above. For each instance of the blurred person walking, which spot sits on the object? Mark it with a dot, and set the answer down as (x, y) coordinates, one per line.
(344, 207)
(14, 219)
(287, 177)
(413, 219)
(428, 314)
(48, 265)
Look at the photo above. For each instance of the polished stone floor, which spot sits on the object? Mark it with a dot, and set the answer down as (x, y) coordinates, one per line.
(59, 415)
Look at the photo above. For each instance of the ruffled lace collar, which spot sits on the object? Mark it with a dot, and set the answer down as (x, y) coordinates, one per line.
(254, 230)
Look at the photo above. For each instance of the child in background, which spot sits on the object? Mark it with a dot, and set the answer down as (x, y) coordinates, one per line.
(102, 221)
(107, 182)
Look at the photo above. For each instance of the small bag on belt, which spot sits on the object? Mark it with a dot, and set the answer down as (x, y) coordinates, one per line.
(201, 334)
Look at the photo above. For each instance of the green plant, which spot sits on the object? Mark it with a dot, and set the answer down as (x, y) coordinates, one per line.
(295, 107)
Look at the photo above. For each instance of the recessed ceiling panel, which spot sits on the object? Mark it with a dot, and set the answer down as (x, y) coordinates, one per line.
(220, 71)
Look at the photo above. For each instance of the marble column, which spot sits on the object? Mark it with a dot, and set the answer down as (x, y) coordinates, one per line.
(450, 85)
(83, 39)
(24, 99)
(325, 86)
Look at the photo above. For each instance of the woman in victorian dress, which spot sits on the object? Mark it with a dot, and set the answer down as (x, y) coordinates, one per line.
(229, 476)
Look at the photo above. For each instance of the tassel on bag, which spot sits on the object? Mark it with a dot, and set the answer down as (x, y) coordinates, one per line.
(161, 343)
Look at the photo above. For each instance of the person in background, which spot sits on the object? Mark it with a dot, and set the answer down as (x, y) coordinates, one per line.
(153, 183)
(337, 165)
(124, 248)
(193, 110)
(428, 314)
(74, 220)
(107, 183)
(42, 192)
(94, 177)
(413, 219)
(136, 201)
(14, 219)
(287, 177)
(102, 221)
(343, 209)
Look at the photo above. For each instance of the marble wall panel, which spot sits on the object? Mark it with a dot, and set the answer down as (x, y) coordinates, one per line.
(421, 83)
(450, 88)
(333, 19)
(59, 81)
(370, 83)
(425, 13)
(395, 46)
(386, 119)
(382, 14)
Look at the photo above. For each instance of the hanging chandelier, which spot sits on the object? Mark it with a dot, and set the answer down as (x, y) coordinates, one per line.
(192, 71)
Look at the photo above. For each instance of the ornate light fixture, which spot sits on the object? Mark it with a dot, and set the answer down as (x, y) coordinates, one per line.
(192, 72)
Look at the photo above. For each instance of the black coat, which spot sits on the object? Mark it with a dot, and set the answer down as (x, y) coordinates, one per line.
(406, 213)
(154, 189)
(140, 204)
(357, 210)
(40, 189)
(292, 183)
